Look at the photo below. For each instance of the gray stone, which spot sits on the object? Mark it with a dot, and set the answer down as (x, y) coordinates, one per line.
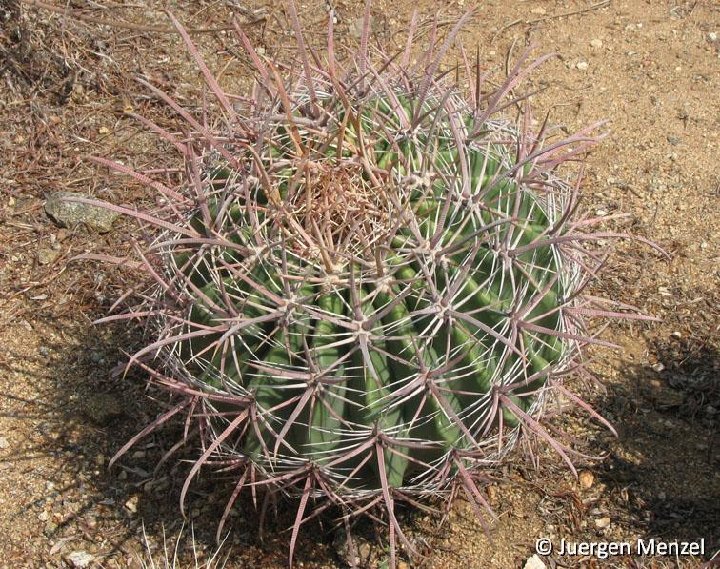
(80, 559)
(101, 408)
(67, 213)
(534, 563)
(46, 255)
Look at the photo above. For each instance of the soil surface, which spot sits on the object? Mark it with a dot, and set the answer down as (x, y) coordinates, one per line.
(67, 82)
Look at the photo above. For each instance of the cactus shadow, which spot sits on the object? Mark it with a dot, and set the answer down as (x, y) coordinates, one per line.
(665, 467)
(80, 415)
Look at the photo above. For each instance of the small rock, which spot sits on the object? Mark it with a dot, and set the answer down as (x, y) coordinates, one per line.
(4, 443)
(712, 36)
(658, 367)
(132, 504)
(354, 552)
(44, 351)
(602, 523)
(50, 528)
(540, 11)
(101, 408)
(356, 28)
(67, 213)
(46, 256)
(586, 479)
(534, 563)
(596, 43)
(80, 559)
(492, 493)
(582, 65)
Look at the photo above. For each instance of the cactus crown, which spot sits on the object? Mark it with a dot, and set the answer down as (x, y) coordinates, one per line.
(369, 283)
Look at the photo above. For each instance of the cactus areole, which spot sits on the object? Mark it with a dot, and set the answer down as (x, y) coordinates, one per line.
(369, 282)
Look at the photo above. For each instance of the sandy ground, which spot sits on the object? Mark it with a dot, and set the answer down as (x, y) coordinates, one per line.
(66, 79)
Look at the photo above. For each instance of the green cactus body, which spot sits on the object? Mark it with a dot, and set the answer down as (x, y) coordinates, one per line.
(439, 290)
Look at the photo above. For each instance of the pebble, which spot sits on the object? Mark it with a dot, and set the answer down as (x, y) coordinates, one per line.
(353, 556)
(4, 443)
(602, 523)
(356, 28)
(534, 563)
(586, 479)
(101, 408)
(80, 559)
(132, 504)
(712, 36)
(492, 493)
(596, 43)
(50, 528)
(582, 65)
(46, 256)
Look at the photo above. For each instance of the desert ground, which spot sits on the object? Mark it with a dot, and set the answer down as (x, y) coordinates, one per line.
(68, 72)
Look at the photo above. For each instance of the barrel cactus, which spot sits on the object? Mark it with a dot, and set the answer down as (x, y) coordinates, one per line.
(369, 282)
